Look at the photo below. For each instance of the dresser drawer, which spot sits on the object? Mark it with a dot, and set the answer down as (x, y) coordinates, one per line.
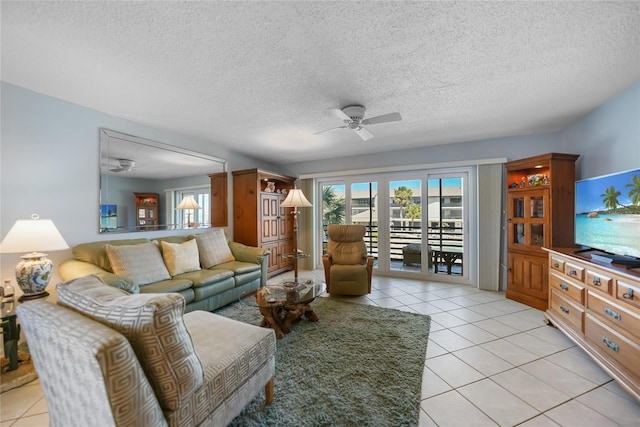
(615, 345)
(574, 271)
(627, 293)
(556, 264)
(598, 281)
(566, 287)
(568, 310)
(614, 314)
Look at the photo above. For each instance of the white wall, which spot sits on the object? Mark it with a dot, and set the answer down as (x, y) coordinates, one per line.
(608, 138)
(49, 156)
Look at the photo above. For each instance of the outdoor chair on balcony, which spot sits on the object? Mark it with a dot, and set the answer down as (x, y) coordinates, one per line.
(412, 254)
(347, 267)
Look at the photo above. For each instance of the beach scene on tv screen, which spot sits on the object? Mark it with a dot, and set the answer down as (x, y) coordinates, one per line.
(608, 213)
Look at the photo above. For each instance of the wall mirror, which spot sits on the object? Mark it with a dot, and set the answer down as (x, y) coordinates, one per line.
(147, 186)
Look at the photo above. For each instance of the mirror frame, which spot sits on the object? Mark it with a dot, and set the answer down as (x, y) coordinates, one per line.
(218, 180)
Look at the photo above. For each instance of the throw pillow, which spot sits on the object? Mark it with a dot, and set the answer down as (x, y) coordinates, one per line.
(140, 264)
(154, 326)
(213, 248)
(180, 257)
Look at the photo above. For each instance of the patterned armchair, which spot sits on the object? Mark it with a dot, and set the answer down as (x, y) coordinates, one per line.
(111, 359)
(347, 267)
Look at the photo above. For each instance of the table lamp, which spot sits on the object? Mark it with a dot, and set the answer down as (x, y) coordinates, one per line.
(188, 202)
(295, 199)
(33, 272)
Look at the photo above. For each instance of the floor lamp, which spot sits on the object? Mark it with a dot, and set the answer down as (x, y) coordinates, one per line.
(295, 199)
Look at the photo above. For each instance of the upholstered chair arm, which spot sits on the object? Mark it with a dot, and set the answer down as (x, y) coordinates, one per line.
(326, 262)
(369, 271)
(96, 365)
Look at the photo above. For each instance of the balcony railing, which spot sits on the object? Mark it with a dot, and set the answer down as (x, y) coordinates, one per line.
(444, 236)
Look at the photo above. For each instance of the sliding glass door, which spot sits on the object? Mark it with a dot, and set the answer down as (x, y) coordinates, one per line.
(417, 222)
(447, 224)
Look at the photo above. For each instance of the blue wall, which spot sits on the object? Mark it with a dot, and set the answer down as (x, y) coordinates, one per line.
(49, 156)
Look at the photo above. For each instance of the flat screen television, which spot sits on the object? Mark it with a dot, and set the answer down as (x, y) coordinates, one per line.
(608, 217)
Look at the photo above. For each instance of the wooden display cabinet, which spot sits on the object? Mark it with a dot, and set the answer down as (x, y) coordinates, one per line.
(258, 218)
(540, 213)
(146, 211)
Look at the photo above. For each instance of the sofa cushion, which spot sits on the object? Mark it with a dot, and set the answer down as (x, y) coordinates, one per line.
(205, 277)
(231, 353)
(237, 267)
(141, 264)
(213, 248)
(165, 286)
(154, 326)
(95, 253)
(180, 257)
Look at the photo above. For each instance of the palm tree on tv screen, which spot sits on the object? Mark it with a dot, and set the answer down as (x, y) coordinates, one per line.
(610, 198)
(634, 193)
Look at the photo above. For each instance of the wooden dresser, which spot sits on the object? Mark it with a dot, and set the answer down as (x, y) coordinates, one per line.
(597, 305)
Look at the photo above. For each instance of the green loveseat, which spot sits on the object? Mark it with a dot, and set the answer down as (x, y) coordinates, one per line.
(206, 287)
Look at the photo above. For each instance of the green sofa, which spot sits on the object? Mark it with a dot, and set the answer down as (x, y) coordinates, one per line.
(206, 287)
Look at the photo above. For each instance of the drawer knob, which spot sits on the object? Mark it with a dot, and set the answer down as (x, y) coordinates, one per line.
(613, 346)
(556, 265)
(564, 287)
(612, 313)
(596, 281)
(628, 295)
(564, 309)
(573, 273)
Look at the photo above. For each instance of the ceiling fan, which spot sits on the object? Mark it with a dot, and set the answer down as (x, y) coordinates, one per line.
(353, 118)
(125, 165)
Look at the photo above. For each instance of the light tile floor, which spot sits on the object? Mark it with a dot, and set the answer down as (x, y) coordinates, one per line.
(490, 361)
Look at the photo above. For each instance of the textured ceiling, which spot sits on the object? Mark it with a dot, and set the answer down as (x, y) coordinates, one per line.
(258, 77)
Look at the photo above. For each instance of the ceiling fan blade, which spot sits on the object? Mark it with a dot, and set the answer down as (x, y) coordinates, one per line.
(363, 133)
(329, 130)
(340, 114)
(384, 118)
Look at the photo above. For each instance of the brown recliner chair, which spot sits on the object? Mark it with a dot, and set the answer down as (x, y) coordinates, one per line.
(347, 267)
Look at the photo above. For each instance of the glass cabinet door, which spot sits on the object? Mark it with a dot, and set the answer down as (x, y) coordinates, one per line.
(528, 214)
(537, 206)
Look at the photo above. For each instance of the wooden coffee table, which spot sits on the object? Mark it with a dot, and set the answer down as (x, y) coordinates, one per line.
(282, 304)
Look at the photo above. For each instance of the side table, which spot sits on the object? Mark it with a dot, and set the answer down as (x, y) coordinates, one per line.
(10, 333)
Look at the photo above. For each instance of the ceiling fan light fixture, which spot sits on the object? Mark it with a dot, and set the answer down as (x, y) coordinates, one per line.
(353, 118)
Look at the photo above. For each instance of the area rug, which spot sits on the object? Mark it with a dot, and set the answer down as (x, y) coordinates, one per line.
(357, 366)
(25, 373)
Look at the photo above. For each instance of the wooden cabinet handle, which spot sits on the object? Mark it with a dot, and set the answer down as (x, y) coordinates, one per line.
(564, 287)
(573, 273)
(596, 281)
(564, 309)
(613, 346)
(628, 295)
(612, 313)
(556, 265)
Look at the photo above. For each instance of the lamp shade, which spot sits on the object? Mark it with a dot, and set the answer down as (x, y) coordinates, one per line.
(32, 235)
(188, 202)
(296, 199)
